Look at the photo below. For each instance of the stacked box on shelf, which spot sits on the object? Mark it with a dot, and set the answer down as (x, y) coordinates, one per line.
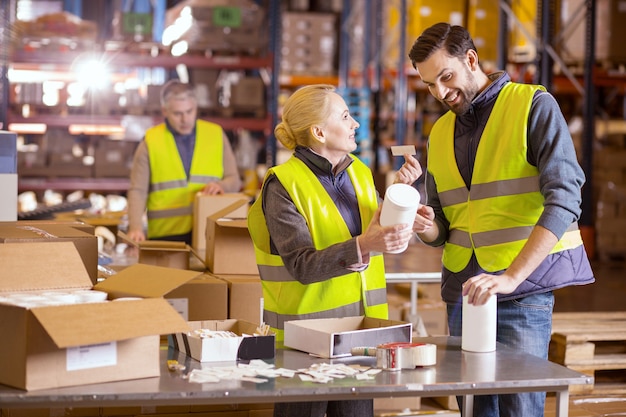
(482, 22)
(220, 26)
(248, 97)
(522, 48)
(420, 15)
(66, 155)
(425, 13)
(309, 43)
(611, 221)
(617, 47)
(114, 158)
(572, 47)
(60, 31)
(205, 82)
(32, 162)
(609, 174)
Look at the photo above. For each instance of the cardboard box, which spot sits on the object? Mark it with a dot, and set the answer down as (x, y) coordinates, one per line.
(395, 405)
(53, 346)
(164, 253)
(114, 158)
(229, 246)
(245, 294)
(202, 298)
(206, 205)
(51, 232)
(332, 338)
(434, 315)
(70, 221)
(220, 349)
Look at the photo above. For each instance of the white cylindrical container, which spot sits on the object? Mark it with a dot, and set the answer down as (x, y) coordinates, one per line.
(479, 326)
(399, 207)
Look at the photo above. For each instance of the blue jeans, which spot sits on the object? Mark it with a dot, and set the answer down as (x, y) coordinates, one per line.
(524, 324)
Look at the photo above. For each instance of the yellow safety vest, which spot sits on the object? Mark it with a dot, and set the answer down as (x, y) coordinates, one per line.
(352, 294)
(495, 217)
(171, 197)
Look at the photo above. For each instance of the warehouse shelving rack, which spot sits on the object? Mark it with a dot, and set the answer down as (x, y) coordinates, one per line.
(34, 60)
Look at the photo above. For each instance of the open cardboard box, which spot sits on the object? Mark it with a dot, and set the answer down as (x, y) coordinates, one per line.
(245, 346)
(229, 246)
(332, 338)
(245, 297)
(81, 235)
(75, 344)
(164, 253)
(203, 298)
(206, 205)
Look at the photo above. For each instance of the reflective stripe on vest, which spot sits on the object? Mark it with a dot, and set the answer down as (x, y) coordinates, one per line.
(170, 201)
(352, 294)
(495, 217)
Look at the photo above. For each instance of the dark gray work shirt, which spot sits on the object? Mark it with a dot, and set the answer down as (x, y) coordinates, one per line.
(185, 145)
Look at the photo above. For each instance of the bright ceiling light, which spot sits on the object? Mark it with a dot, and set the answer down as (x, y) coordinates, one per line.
(92, 73)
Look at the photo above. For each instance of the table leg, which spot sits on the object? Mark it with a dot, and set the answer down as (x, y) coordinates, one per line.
(414, 317)
(562, 403)
(468, 406)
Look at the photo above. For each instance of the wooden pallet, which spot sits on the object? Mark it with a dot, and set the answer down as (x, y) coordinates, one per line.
(593, 343)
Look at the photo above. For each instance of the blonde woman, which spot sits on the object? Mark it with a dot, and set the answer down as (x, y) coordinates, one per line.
(316, 229)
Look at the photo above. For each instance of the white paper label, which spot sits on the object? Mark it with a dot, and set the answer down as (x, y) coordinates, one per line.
(400, 150)
(91, 356)
(181, 305)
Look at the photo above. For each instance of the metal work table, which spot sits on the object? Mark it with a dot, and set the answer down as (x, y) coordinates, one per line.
(456, 373)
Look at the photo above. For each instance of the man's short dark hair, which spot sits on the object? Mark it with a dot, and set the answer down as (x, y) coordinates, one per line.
(455, 39)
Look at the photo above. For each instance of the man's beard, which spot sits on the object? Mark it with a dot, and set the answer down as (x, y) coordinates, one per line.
(461, 107)
(466, 96)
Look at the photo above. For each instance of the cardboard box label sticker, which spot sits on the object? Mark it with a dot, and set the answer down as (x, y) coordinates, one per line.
(181, 305)
(91, 356)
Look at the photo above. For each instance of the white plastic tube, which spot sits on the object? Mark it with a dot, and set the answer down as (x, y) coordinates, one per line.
(399, 207)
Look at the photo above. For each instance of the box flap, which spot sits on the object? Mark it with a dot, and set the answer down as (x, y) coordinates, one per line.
(226, 324)
(331, 326)
(71, 222)
(18, 231)
(40, 266)
(236, 326)
(228, 209)
(163, 245)
(92, 323)
(143, 280)
(373, 323)
(234, 223)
